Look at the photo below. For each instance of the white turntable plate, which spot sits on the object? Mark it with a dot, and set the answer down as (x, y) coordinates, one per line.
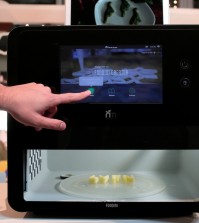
(143, 186)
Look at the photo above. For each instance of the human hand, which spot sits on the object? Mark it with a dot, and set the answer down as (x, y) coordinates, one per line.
(35, 105)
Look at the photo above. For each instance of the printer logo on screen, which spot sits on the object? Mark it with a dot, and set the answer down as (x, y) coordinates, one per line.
(110, 115)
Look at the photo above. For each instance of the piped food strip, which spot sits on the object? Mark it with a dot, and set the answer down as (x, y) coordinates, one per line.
(112, 179)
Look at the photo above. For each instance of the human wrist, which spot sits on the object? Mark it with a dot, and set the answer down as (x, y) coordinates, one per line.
(3, 104)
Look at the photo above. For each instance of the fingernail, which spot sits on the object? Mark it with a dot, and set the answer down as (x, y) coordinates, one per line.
(89, 91)
(62, 126)
(38, 129)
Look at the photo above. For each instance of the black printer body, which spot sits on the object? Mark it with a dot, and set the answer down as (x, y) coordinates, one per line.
(131, 147)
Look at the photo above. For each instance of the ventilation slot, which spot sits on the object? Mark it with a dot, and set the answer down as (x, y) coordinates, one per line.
(34, 162)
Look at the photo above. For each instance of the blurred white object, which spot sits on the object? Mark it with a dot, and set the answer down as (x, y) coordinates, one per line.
(3, 2)
(3, 120)
(184, 16)
(25, 13)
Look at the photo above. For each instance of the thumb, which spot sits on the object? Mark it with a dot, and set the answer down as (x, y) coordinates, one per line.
(50, 123)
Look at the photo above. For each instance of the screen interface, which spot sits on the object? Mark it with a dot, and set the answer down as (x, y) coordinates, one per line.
(113, 74)
(116, 12)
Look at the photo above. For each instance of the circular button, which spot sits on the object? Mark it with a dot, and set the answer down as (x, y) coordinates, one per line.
(184, 64)
(185, 82)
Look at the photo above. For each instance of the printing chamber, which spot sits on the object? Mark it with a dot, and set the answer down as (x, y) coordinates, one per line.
(158, 175)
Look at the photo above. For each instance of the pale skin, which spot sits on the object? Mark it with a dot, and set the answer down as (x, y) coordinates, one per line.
(35, 105)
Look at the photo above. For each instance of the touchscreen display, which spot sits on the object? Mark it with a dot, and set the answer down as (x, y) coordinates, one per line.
(114, 74)
(117, 12)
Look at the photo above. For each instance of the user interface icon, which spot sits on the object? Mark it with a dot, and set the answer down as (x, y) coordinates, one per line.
(111, 91)
(92, 90)
(131, 91)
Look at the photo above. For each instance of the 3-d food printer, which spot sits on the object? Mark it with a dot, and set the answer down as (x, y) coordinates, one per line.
(131, 147)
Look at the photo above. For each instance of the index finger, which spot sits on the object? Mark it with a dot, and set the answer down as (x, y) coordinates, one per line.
(72, 97)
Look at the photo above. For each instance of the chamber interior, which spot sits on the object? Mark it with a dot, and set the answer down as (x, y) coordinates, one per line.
(112, 175)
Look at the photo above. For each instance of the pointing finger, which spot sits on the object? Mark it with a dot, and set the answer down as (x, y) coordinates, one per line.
(72, 97)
